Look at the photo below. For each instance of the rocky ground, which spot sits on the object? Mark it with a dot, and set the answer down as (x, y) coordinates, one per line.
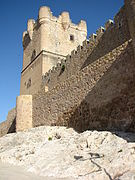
(58, 152)
(8, 172)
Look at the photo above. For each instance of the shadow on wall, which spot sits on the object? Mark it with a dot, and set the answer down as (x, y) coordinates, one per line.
(12, 128)
(114, 36)
(110, 105)
(9, 126)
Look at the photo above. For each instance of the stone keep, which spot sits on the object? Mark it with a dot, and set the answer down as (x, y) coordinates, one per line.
(45, 43)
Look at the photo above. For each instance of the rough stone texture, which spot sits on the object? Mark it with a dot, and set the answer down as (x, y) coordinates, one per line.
(114, 36)
(96, 97)
(23, 112)
(130, 12)
(8, 126)
(31, 78)
(72, 64)
(31, 45)
(8, 172)
(60, 152)
(45, 43)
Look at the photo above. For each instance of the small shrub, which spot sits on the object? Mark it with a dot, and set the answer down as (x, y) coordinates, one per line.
(63, 68)
(120, 151)
(49, 138)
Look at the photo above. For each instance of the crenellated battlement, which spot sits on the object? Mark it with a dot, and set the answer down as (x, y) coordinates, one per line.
(45, 15)
(46, 42)
(109, 24)
(63, 19)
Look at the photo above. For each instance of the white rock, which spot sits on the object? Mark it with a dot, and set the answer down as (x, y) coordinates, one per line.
(62, 153)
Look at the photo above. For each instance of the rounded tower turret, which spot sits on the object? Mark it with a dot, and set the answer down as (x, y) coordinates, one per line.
(30, 27)
(65, 20)
(44, 12)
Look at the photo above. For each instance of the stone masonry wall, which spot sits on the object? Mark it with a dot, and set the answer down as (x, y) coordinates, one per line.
(115, 35)
(130, 10)
(31, 78)
(33, 44)
(8, 126)
(104, 41)
(110, 104)
(49, 39)
(71, 64)
(23, 112)
(70, 103)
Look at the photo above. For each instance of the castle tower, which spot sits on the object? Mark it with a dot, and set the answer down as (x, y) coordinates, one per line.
(45, 43)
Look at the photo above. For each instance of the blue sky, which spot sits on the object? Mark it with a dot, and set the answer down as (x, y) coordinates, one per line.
(13, 18)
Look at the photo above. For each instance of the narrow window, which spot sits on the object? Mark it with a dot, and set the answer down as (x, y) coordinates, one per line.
(72, 38)
(120, 25)
(33, 55)
(29, 83)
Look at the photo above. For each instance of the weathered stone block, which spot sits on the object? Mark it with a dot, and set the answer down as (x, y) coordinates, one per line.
(23, 112)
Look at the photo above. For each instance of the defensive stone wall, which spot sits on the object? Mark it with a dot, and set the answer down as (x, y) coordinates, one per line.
(105, 40)
(8, 126)
(70, 65)
(70, 103)
(130, 13)
(116, 33)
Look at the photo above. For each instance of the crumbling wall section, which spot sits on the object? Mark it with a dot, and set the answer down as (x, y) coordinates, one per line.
(8, 126)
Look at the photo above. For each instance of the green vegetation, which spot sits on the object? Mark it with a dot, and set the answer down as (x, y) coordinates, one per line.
(49, 138)
(63, 68)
